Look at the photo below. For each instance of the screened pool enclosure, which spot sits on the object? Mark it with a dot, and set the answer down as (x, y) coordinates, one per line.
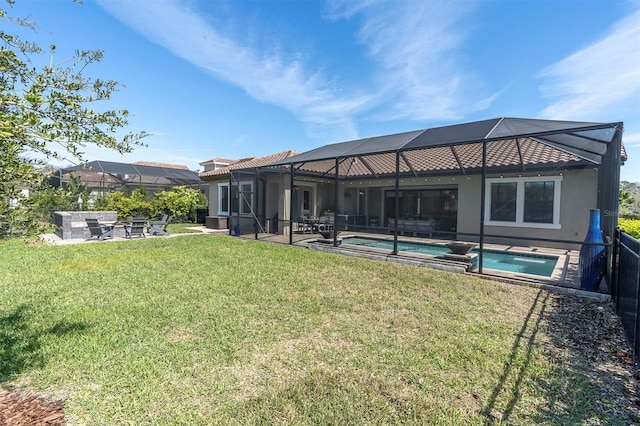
(506, 180)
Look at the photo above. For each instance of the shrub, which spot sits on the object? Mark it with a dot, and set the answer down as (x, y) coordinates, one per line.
(127, 207)
(180, 202)
(630, 226)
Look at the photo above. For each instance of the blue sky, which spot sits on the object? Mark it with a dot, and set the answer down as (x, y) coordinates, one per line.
(237, 78)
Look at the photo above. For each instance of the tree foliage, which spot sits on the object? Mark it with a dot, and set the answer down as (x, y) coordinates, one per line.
(629, 204)
(47, 112)
(74, 196)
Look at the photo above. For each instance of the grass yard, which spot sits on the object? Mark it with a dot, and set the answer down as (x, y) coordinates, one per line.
(208, 329)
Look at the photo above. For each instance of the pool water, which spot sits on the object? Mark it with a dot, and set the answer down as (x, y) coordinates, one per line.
(523, 263)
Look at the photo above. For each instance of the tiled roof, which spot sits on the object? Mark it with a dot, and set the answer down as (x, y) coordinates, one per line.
(525, 153)
(165, 165)
(248, 163)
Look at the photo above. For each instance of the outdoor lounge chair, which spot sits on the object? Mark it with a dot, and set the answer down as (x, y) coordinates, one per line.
(160, 222)
(99, 231)
(159, 227)
(135, 229)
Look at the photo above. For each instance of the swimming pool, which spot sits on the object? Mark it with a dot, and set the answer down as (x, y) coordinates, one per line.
(523, 263)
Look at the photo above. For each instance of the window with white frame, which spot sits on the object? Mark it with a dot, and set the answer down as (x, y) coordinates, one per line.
(524, 201)
(230, 201)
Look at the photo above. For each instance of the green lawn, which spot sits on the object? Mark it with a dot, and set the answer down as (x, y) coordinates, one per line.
(208, 329)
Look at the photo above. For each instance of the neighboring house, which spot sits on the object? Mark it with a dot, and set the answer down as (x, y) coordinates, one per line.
(498, 179)
(105, 176)
(225, 193)
(217, 163)
(214, 164)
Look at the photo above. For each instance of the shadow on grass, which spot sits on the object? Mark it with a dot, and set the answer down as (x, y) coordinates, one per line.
(20, 341)
(589, 381)
(521, 349)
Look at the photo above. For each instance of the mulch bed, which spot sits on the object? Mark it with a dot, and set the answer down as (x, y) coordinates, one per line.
(592, 333)
(29, 410)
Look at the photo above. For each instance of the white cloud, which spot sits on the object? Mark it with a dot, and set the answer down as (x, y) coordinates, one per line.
(601, 79)
(268, 77)
(416, 47)
(413, 45)
(346, 9)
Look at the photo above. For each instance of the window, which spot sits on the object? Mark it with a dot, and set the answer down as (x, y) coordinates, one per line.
(306, 201)
(526, 202)
(503, 201)
(246, 193)
(232, 198)
(538, 202)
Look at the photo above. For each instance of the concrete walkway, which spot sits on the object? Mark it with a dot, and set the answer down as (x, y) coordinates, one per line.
(53, 239)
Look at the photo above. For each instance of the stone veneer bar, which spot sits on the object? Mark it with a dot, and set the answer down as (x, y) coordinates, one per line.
(72, 224)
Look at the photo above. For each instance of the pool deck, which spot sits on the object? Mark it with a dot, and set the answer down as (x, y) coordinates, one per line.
(565, 277)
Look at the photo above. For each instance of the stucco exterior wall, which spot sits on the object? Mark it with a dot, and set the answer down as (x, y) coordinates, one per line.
(213, 198)
(578, 196)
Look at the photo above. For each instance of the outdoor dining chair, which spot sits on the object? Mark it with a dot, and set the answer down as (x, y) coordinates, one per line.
(304, 225)
(98, 230)
(135, 229)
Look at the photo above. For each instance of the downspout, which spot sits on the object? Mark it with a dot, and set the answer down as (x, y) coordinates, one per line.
(263, 201)
(291, 176)
(230, 224)
(483, 190)
(255, 203)
(397, 205)
(336, 194)
(239, 203)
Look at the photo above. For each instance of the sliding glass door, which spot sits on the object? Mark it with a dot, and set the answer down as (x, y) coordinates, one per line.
(440, 205)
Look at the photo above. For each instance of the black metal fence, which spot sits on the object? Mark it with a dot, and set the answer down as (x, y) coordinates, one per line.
(625, 289)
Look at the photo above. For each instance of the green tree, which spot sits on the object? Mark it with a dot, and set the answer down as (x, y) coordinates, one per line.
(47, 113)
(47, 200)
(78, 191)
(629, 204)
